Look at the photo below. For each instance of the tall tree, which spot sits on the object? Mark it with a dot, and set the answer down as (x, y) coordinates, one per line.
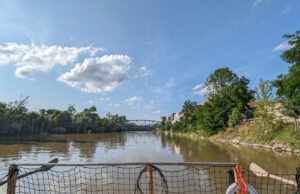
(188, 106)
(264, 103)
(225, 91)
(288, 85)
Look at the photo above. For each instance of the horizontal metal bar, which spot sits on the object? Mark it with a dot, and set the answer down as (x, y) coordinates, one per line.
(219, 164)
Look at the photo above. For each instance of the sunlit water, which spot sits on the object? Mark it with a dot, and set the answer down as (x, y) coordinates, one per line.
(135, 147)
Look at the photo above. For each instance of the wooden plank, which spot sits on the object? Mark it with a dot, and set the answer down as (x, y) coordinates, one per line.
(260, 172)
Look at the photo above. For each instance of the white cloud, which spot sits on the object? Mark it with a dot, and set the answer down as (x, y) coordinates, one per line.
(104, 99)
(90, 102)
(201, 90)
(132, 100)
(40, 58)
(256, 3)
(283, 46)
(158, 112)
(197, 87)
(96, 75)
(115, 105)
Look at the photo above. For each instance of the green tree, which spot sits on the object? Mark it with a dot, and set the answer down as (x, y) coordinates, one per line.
(163, 122)
(63, 119)
(188, 121)
(288, 85)
(188, 106)
(264, 103)
(235, 118)
(226, 92)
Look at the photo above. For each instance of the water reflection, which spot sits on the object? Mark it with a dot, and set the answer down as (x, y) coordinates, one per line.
(134, 147)
(205, 151)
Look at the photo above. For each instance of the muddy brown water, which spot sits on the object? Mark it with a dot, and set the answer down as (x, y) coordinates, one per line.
(135, 147)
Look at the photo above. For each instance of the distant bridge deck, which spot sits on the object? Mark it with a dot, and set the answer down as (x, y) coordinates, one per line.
(141, 125)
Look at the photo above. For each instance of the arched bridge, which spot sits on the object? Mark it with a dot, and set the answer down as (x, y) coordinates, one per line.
(141, 125)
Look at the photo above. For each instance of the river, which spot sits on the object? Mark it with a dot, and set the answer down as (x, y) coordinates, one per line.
(135, 147)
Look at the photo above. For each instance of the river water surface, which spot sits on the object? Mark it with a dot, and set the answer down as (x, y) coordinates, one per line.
(135, 147)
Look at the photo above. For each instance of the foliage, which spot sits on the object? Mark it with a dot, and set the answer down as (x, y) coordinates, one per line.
(226, 92)
(227, 104)
(163, 122)
(235, 118)
(188, 106)
(264, 104)
(15, 119)
(288, 85)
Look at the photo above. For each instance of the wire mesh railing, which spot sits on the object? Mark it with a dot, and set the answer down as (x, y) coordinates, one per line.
(139, 178)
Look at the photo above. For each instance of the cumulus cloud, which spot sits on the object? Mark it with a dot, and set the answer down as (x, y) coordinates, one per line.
(132, 100)
(104, 99)
(158, 112)
(283, 46)
(96, 75)
(40, 58)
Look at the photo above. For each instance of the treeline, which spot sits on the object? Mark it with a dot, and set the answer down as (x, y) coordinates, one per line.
(16, 120)
(229, 98)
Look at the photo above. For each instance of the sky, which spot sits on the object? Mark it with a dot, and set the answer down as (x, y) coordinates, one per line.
(137, 58)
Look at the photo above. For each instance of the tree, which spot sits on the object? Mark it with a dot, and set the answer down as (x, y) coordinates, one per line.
(71, 109)
(264, 102)
(63, 119)
(163, 122)
(226, 92)
(235, 119)
(288, 85)
(188, 106)
(220, 79)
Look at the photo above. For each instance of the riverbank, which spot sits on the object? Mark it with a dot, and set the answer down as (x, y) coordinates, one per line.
(274, 145)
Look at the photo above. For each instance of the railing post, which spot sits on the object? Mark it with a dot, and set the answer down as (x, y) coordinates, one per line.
(298, 179)
(12, 179)
(150, 179)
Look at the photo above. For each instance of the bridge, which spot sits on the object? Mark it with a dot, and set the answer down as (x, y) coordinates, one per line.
(141, 125)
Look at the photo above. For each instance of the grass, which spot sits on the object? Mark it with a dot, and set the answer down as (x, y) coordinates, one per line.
(279, 132)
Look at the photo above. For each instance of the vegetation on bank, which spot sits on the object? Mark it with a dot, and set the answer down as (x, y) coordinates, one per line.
(226, 111)
(15, 119)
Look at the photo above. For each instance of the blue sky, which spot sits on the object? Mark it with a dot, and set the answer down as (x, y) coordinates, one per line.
(140, 58)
